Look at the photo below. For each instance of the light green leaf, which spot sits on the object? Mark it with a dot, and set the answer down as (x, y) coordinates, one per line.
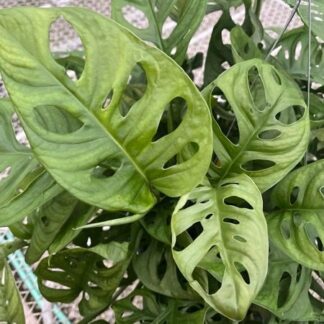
(297, 226)
(11, 309)
(272, 123)
(228, 240)
(187, 16)
(103, 158)
(24, 184)
(286, 291)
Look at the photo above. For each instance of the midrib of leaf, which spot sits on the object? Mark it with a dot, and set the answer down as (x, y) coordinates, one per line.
(156, 25)
(247, 143)
(137, 167)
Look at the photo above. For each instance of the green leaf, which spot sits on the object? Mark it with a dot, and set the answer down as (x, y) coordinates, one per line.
(79, 270)
(293, 55)
(156, 269)
(47, 223)
(24, 184)
(11, 309)
(157, 310)
(187, 16)
(102, 157)
(286, 291)
(296, 227)
(228, 240)
(272, 124)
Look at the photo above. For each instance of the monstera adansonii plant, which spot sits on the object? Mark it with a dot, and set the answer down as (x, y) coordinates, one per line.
(138, 192)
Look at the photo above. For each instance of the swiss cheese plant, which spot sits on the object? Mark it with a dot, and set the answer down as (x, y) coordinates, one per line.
(159, 198)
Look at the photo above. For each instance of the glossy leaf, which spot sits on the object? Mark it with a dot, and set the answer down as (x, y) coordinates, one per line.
(156, 310)
(11, 309)
(115, 162)
(24, 184)
(286, 291)
(272, 119)
(186, 15)
(227, 220)
(297, 225)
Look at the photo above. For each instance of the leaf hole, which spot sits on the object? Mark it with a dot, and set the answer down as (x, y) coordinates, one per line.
(106, 168)
(276, 77)
(224, 115)
(239, 238)
(134, 90)
(135, 17)
(3, 90)
(45, 221)
(209, 216)
(162, 267)
(186, 153)
(257, 90)
(298, 49)
(238, 14)
(284, 285)
(173, 115)
(56, 120)
(195, 230)
(70, 61)
(226, 36)
(5, 173)
(322, 191)
(257, 165)
(168, 27)
(237, 202)
(285, 230)
(231, 220)
(213, 284)
(19, 131)
(269, 134)
(313, 237)
(290, 115)
(108, 100)
(243, 272)
(294, 195)
(298, 272)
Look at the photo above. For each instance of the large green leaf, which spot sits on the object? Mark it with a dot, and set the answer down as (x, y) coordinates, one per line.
(103, 157)
(24, 184)
(96, 273)
(186, 14)
(286, 291)
(228, 240)
(297, 224)
(272, 123)
(157, 310)
(11, 310)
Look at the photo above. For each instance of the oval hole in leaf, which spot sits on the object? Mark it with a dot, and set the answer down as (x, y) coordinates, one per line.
(318, 57)
(290, 115)
(243, 272)
(298, 272)
(3, 90)
(312, 235)
(162, 267)
(231, 220)
(134, 90)
(168, 27)
(171, 118)
(108, 100)
(239, 238)
(284, 284)
(19, 131)
(73, 58)
(187, 152)
(294, 195)
(257, 165)
(285, 229)
(237, 202)
(298, 50)
(56, 120)
(322, 191)
(106, 168)
(224, 115)
(238, 14)
(269, 134)
(257, 90)
(225, 36)
(195, 230)
(5, 173)
(135, 17)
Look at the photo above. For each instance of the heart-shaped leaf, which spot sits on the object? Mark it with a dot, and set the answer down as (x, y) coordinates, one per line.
(286, 290)
(227, 238)
(24, 184)
(104, 157)
(156, 19)
(272, 130)
(296, 226)
(11, 309)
